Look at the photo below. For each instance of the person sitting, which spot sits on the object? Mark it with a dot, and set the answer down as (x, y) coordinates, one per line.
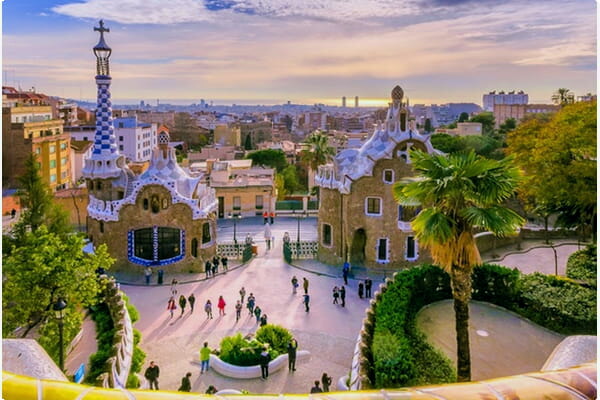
(316, 388)
(211, 390)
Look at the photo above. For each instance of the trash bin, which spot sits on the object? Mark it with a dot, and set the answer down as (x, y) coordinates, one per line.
(255, 250)
(161, 273)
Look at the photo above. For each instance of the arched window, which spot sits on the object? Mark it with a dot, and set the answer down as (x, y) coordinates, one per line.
(156, 246)
(206, 233)
(154, 204)
(165, 203)
(403, 120)
(194, 246)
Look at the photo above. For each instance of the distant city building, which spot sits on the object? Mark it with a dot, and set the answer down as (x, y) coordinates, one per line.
(81, 150)
(493, 98)
(359, 219)
(29, 127)
(587, 97)
(135, 139)
(344, 101)
(355, 101)
(463, 129)
(502, 112)
(214, 152)
(227, 135)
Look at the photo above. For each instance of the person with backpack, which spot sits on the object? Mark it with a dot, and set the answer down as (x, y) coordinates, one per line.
(208, 309)
(250, 303)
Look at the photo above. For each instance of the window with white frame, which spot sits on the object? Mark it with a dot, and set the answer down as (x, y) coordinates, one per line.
(373, 206)
(388, 176)
(237, 203)
(382, 250)
(326, 238)
(412, 251)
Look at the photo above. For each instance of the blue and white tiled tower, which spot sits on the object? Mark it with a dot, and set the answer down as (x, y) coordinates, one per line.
(105, 171)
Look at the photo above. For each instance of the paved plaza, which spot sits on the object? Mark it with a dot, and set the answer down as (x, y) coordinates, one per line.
(328, 331)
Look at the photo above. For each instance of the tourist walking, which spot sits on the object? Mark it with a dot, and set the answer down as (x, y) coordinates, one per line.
(182, 303)
(207, 268)
(291, 351)
(208, 309)
(148, 275)
(186, 385)
(265, 217)
(204, 357)
(316, 388)
(294, 284)
(360, 290)
(192, 300)
(263, 320)
(343, 295)
(257, 313)
(215, 269)
(224, 261)
(306, 302)
(286, 238)
(174, 287)
(368, 285)
(272, 215)
(268, 235)
(345, 272)
(305, 285)
(238, 310)
(265, 358)
(171, 306)
(151, 374)
(336, 295)
(326, 381)
(221, 306)
(250, 303)
(242, 294)
(215, 261)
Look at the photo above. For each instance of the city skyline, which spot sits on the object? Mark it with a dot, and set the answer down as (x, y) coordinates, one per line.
(274, 51)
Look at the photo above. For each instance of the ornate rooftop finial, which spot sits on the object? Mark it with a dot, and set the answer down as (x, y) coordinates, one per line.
(102, 51)
(397, 94)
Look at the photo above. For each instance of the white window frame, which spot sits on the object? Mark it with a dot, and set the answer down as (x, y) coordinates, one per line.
(416, 257)
(367, 206)
(383, 176)
(323, 236)
(387, 251)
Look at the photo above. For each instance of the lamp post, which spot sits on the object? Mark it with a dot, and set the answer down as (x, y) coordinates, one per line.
(555, 259)
(59, 308)
(235, 218)
(298, 217)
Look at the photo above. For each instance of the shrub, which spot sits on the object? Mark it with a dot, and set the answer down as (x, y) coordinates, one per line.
(105, 333)
(495, 284)
(276, 336)
(582, 265)
(238, 351)
(393, 359)
(137, 336)
(133, 312)
(133, 382)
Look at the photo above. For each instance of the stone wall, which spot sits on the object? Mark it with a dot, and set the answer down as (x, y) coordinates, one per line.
(134, 216)
(119, 363)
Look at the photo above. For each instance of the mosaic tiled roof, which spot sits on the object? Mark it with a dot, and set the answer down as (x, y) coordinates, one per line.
(352, 164)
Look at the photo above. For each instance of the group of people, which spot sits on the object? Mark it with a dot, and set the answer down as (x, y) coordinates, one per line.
(212, 267)
(183, 302)
(325, 381)
(339, 293)
(306, 296)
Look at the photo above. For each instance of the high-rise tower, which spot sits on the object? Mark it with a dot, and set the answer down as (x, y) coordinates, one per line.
(344, 101)
(105, 171)
(355, 101)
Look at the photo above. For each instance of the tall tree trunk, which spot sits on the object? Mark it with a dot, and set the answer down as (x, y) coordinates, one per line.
(461, 292)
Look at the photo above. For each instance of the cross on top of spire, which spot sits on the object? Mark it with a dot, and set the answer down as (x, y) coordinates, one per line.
(101, 29)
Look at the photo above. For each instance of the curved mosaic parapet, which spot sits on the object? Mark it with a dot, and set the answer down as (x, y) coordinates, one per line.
(577, 383)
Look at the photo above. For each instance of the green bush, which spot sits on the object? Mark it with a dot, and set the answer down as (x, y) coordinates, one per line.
(557, 304)
(276, 336)
(133, 312)
(133, 382)
(238, 351)
(495, 284)
(105, 333)
(583, 264)
(137, 336)
(393, 359)
(432, 365)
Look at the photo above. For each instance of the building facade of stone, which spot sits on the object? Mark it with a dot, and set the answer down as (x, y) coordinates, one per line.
(359, 219)
(161, 218)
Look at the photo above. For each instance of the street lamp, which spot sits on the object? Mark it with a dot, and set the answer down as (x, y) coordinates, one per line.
(555, 259)
(59, 311)
(235, 218)
(298, 217)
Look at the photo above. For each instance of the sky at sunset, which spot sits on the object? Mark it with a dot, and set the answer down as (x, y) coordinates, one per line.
(305, 51)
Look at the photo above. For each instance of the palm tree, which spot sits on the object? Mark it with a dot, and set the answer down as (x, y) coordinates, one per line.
(459, 193)
(563, 96)
(319, 152)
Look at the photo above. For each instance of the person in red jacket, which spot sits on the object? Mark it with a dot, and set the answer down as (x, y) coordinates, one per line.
(265, 217)
(221, 305)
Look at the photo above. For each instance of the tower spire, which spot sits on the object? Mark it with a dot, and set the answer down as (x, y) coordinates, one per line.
(105, 162)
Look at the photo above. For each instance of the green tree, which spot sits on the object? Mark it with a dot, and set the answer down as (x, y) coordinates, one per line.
(290, 177)
(463, 117)
(458, 194)
(487, 121)
(447, 143)
(268, 158)
(44, 268)
(186, 129)
(558, 156)
(248, 142)
(428, 127)
(509, 125)
(563, 96)
(319, 151)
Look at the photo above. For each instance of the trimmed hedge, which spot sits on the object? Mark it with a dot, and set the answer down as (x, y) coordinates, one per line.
(105, 333)
(244, 352)
(398, 354)
(583, 264)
